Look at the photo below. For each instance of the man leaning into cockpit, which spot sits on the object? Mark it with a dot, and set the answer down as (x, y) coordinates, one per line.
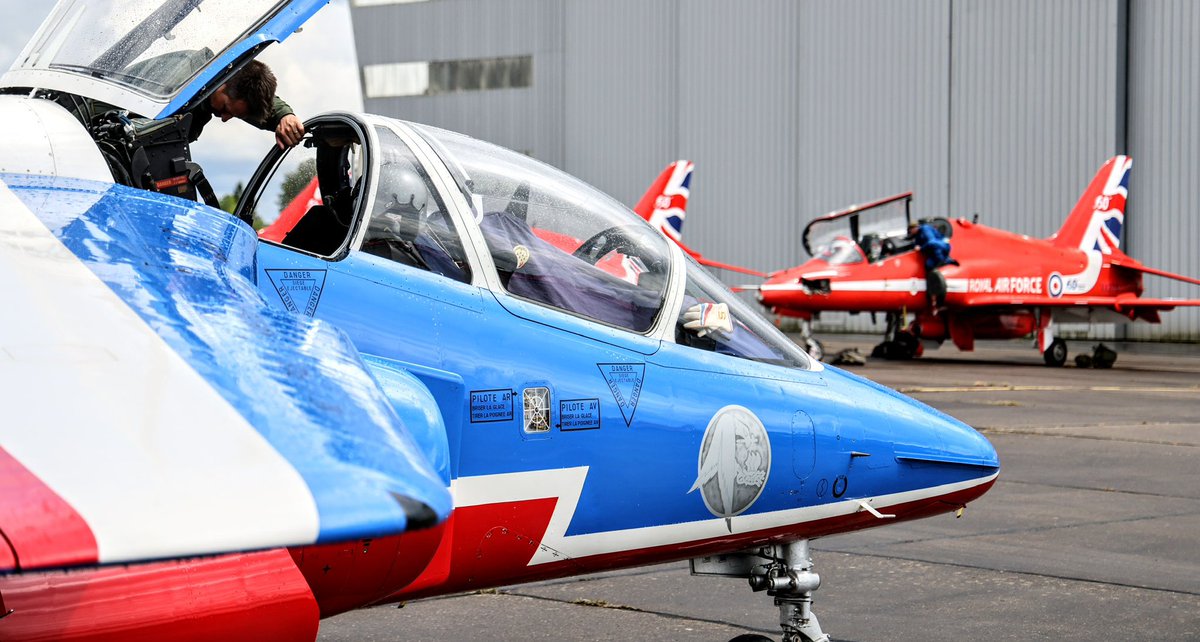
(250, 96)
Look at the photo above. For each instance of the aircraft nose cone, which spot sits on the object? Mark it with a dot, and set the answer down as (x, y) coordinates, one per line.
(944, 439)
(776, 289)
(934, 454)
(949, 456)
(971, 446)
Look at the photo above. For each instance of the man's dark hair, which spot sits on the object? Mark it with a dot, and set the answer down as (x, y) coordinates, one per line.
(254, 84)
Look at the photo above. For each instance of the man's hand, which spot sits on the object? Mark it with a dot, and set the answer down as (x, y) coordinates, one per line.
(709, 318)
(289, 132)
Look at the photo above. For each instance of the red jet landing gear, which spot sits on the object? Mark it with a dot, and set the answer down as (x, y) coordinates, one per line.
(899, 343)
(810, 343)
(1054, 350)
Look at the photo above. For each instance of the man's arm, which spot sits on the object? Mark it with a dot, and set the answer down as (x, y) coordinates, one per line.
(283, 121)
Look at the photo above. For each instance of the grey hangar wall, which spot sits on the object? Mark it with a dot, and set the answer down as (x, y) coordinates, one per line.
(791, 109)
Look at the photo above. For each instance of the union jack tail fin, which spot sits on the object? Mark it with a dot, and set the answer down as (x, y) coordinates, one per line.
(1095, 223)
(665, 203)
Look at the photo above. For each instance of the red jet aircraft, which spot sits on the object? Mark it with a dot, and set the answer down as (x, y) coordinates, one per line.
(1006, 285)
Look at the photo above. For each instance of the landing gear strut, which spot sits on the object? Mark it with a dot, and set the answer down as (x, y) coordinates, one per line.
(811, 345)
(898, 343)
(785, 572)
(789, 578)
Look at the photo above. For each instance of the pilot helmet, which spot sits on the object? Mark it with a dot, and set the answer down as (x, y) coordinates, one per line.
(400, 200)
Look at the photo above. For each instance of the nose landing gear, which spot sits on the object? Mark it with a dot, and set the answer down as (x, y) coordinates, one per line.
(785, 572)
(789, 578)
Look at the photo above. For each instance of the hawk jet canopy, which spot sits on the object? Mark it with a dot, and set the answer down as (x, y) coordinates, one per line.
(154, 58)
(866, 232)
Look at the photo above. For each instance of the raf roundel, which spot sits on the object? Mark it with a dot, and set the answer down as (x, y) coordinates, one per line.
(1054, 284)
(734, 463)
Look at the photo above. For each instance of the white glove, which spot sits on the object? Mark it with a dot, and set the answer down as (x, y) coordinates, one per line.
(709, 318)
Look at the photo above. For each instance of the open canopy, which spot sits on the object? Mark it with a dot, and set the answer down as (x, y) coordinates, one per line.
(152, 57)
(867, 231)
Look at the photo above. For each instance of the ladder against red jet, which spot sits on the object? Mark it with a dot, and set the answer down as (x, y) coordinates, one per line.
(1006, 285)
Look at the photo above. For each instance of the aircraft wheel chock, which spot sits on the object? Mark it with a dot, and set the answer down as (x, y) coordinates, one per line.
(1056, 354)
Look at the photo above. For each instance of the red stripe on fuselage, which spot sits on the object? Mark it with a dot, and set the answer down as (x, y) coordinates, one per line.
(253, 597)
(42, 528)
(490, 544)
(350, 575)
(473, 569)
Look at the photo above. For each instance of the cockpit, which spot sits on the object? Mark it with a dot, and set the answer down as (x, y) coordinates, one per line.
(479, 214)
(869, 232)
(841, 251)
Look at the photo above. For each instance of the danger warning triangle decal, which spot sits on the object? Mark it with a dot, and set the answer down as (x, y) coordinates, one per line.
(625, 383)
(300, 290)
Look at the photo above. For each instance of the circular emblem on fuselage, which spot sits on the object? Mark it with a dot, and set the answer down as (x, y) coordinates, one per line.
(1054, 284)
(735, 461)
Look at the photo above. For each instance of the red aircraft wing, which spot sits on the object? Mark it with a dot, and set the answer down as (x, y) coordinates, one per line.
(1130, 306)
(716, 264)
(1133, 264)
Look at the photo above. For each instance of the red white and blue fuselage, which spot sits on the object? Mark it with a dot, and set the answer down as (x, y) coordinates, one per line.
(213, 436)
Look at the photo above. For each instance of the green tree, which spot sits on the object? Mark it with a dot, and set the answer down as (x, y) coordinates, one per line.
(296, 180)
(229, 201)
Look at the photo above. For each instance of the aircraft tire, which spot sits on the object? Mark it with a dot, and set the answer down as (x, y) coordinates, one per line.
(1056, 355)
(814, 348)
(908, 346)
(880, 351)
(751, 637)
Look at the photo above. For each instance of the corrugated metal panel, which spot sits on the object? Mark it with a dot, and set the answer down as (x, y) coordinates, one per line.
(873, 112)
(874, 103)
(739, 121)
(528, 120)
(1163, 226)
(619, 93)
(1033, 107)
(791, 109)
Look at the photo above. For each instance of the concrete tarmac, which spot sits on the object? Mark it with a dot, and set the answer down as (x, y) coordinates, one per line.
(1092, 531)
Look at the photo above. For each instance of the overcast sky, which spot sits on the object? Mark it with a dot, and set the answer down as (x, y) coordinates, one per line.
(317, 72)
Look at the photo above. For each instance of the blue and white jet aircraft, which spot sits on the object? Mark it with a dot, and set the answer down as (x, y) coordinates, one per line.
(461, 368)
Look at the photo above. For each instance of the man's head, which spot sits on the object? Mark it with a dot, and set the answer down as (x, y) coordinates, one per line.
(248, 95)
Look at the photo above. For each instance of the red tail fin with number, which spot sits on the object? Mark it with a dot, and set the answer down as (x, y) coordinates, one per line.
(665, 205)
(1095, 223)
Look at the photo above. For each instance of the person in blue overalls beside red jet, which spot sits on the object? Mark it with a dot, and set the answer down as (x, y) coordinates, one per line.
(936, 250)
